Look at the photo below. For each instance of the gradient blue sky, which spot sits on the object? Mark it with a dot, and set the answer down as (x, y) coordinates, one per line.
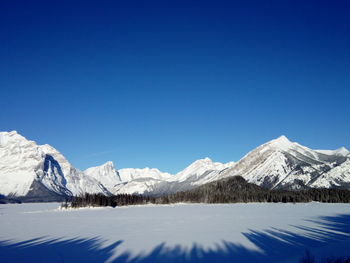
(163, 83)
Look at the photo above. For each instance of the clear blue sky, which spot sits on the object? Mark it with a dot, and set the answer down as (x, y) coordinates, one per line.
(163, 83)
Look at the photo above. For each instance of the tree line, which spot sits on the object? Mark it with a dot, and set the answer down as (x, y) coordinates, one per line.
(229, 190)
(237, 190)
(96, 200)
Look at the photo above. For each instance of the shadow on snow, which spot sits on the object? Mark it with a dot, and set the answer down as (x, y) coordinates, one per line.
(274, 244)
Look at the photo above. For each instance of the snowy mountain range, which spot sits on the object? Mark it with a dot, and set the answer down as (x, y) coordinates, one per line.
(283, 164)
(40, 172)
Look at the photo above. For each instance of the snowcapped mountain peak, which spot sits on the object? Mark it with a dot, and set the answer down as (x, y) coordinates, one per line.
(29, 169)
(108, 165)
(281, 163)
(10, 133)
(342, 151)
(106, 169)
(105, 174)
(204, 161)
(283, 138)
(128, 174)
(26, 167)
(281, 142)
(11, 137)
(201, 166)
(201, 163)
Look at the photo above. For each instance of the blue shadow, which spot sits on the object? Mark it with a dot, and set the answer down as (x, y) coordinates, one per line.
(275, 244)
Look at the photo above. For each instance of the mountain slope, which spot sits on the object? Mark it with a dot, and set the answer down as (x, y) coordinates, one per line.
(284, 164)
(129, 174)
(338, 177)
(236, 189)
(153, 182)
(106, 174)
(39, 170)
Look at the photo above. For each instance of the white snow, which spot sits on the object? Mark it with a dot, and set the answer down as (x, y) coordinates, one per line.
(106, 174)
(18, 160)
(129, 174)
(281, 162)
(276, 163)
(342, 151)
(199, 167)
(22, 161)
(173, 233)
(144, 180)
(338, 176)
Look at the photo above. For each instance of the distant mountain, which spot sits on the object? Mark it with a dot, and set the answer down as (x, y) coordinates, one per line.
(105, 174)
(141, 181)
(129, 174)
(338, 177)
(281, 163)
(41, 173)
(197, 173)
(235, 189)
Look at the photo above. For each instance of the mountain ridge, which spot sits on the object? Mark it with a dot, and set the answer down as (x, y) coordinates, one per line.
(40, 170)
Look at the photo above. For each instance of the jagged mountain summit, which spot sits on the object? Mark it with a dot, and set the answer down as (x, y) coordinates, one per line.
(281, 163)
(197, 173)
(105, 174)
(40, 172)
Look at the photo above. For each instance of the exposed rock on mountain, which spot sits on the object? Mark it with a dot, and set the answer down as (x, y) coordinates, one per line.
(40, 172)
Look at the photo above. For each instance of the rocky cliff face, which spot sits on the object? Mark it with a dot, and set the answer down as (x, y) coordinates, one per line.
(40, 172)
(284, 164)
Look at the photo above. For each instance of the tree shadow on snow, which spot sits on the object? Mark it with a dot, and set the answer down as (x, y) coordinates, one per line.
(41, 250)
(274, 245)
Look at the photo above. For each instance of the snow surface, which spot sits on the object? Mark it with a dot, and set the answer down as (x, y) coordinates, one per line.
(106, 174)
(151, 180)
(342, 151)
(175, 233)
(129, 174)
(279, 163)
(19, 159)
(23, 161)
(336, 177)
(199, 167)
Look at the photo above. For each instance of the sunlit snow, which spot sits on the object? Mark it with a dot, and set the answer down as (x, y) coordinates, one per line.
(173, 233)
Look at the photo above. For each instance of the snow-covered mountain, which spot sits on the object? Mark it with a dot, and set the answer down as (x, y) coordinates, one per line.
(200, 167)
(129, 174)
(28, 169)
(157, 183)
(106, 174)
(40, 171)
(281, 163)
(338, 177)
(140, 181)
(342, 151)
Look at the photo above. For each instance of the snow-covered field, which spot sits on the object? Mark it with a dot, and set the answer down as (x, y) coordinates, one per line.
(174, 233)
